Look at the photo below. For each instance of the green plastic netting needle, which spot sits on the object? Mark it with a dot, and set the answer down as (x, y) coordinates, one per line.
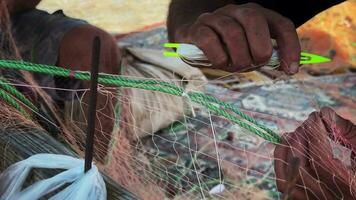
(309, 58)
(305, 58)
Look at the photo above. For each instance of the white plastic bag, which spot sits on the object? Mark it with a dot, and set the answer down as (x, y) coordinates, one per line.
(88, 186)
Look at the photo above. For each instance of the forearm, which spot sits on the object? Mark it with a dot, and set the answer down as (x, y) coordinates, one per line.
(184, 12)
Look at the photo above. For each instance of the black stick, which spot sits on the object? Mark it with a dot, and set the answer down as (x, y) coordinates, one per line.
(92, 104)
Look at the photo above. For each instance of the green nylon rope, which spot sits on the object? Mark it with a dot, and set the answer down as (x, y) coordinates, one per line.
(216, 105)
(12, 90)
(10, 100)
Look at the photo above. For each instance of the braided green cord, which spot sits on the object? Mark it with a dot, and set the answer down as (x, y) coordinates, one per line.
(153, 85)
(274, 138)
(12, 90)
(233, 109)
(58, 71)
(150, 81)
(10, 100)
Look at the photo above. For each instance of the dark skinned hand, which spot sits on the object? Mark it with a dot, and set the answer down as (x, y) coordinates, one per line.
(75, 52)
(321, 176)
(237, 38)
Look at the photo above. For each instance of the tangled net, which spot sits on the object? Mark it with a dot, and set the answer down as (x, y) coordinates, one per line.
(170, 141)
(151, 166)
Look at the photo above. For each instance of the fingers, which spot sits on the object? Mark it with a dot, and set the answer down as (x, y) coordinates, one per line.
(298, 145)
(283, 30)
(320, 176)
(75, 53)
(313, 186)
(256, 30)
(332, 176)
(280, 163)
(315, 133)
(306, 186)
(292, 148)
(237, 38)
(233, 37)
(340, 130)
(331, 173)
(326, 176)
(208, 41)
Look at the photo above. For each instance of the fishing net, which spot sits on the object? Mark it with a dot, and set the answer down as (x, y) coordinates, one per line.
(179, 135)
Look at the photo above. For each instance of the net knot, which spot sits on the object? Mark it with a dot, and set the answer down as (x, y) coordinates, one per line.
(186, 96)
(72, 74)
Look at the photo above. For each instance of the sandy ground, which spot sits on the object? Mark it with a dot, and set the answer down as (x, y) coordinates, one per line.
(115, 16)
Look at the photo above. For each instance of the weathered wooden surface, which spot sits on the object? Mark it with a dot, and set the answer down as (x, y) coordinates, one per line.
(20, 143)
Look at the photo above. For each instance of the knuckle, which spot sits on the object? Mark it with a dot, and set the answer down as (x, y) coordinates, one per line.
(202, 43)
(311, 118)
(300, 130)
(250, 17)
(314, 114)
(232, 34)
(203, 37)
(200, 30)
(224, 22)
(230, 7)
(311, 121)
(249, 13)
(263, 56)
(233, 31)
(287, 24)
(326, 110)
(205, 17)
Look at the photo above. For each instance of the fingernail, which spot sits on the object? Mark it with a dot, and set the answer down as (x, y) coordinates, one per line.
(294, 67)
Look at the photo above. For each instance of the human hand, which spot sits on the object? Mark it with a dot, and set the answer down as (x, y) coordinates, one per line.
(75, 53)
(321, 175)
(237, 38)
(75, 50)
